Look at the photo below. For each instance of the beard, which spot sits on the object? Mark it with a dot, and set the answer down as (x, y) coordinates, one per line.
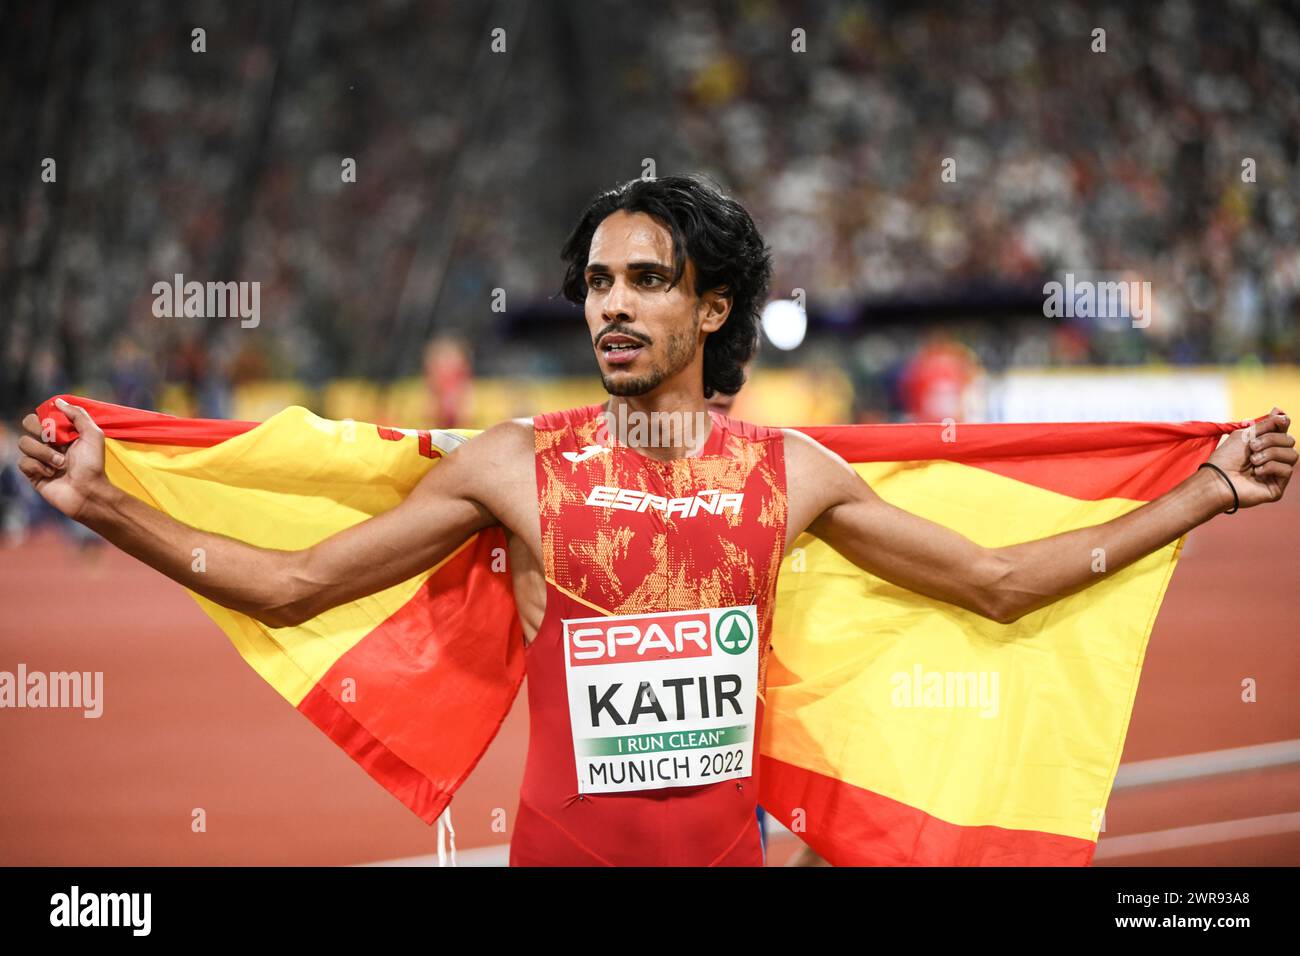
(681, 350)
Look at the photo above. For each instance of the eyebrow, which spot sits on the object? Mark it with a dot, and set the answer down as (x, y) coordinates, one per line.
(647, 266)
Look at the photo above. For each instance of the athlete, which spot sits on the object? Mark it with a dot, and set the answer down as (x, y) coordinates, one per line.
(645, 570)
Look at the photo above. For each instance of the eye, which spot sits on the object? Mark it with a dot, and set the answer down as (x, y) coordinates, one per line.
(597, 282)
(650, 280)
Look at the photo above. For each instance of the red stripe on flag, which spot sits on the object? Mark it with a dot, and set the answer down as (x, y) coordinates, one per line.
(1085, 460)
(432, 683)
(132, 424)
(425, 798)
(851, 826)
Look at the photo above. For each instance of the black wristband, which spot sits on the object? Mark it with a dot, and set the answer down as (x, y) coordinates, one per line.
(1236, 502)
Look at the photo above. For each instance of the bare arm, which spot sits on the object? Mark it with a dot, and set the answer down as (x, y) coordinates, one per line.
(1006, 583)
(841, 509)
(279, 588)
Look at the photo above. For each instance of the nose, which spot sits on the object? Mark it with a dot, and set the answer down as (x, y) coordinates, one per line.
(618, 302)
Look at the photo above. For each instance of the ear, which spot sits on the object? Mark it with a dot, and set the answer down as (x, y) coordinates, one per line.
(716, 306)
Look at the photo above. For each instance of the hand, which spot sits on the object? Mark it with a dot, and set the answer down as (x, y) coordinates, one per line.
(1258, 459)
(66, 476)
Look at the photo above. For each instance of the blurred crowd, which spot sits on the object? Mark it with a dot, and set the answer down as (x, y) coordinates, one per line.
(1065, 158)
(1121, 152)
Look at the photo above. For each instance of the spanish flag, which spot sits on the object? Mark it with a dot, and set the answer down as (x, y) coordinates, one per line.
(898, 730)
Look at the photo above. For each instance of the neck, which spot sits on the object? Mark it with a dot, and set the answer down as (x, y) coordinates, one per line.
(668, 423)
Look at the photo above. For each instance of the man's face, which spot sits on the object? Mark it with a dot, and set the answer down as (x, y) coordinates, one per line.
(644, 333)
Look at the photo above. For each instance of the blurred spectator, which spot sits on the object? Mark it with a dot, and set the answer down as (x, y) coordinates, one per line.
(448, 375)
(934, 381)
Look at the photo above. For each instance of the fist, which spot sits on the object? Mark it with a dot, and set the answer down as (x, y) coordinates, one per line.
(64, 475)
(1258, 459)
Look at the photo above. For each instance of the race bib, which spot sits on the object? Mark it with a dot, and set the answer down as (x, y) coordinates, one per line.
(662, 700)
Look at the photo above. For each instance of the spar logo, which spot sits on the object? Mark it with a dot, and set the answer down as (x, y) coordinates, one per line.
(639, 637)
(735, 632)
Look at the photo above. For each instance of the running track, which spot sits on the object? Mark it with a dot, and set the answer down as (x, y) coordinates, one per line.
(188, 725)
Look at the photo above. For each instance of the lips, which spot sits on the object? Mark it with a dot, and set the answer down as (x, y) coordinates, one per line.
(620, 349)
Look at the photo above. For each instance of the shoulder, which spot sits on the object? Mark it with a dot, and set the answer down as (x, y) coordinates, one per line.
(812, 466)
(805, 451)
(510, 438)
(494, 469)
(500, 450)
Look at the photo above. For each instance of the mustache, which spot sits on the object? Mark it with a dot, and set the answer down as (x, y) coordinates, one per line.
(616, 331)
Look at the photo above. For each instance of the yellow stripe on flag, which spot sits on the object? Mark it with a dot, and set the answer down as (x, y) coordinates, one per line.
(1039, 750)
(254, 488)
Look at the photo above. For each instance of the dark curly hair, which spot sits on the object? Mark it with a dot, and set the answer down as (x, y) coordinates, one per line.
(718, 236)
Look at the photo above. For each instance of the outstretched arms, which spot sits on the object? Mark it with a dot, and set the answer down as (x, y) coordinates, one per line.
(279, 588)
(1040, 572)
(1006, 583)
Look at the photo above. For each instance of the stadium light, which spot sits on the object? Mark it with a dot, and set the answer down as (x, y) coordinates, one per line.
(784, 323)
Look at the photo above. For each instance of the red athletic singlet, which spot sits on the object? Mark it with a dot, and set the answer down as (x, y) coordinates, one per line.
(660, 580)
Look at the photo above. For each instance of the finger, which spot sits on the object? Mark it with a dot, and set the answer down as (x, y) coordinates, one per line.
(34, 470)
(1287, 456)
(83, 424)
(41, 452)
(1273, 439)
(1274, 421)
(1274, 471)
(79, 417)
(43, 430)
